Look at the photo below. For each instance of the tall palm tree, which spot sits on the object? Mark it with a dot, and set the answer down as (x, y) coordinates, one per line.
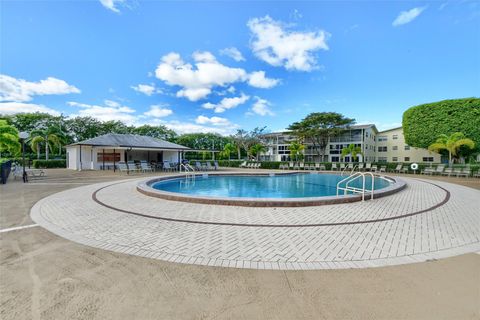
(49, 138)
(296, 149)
(452, 144)
(8, 138)
(256, 149)
(352, 151)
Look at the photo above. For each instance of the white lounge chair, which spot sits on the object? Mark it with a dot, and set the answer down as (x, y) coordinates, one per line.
(361, 166)
(334, 167)
(368, 166)
(398, 168)
(144, 166)
(447, 172)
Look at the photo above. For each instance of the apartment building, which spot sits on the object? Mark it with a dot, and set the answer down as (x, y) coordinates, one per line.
(391, 147)
(385, 146)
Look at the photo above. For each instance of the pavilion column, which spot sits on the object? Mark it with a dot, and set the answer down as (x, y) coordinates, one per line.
(114, 160)
(103, 157)
(80, 169)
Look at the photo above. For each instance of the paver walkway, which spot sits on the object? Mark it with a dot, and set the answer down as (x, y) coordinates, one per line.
(425, 221)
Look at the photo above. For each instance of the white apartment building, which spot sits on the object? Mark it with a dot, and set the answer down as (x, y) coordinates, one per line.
(385, 146)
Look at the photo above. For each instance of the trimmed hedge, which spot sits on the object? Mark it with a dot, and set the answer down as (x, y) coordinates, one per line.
(423, 124)
(37, 164)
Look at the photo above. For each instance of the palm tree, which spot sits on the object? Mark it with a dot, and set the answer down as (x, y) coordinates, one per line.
(296, 149)
(452, 144)
(8, 138)
(228, 149)
(256, 149)
(353, 151)
(49, 138)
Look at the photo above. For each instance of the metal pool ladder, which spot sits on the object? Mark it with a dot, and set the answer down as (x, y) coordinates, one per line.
(189, 170)
(346, 188)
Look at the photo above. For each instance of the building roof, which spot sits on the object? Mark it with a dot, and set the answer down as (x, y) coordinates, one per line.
(392, 129)
(130, 141)
(355, 126)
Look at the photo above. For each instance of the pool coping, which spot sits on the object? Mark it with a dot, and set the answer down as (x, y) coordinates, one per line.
(145, 187)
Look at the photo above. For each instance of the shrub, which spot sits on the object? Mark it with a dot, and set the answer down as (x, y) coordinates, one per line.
(423, 124)
(49, 164)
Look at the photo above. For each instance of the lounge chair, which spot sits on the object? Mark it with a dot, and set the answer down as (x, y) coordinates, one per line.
(322, 167)
(35, 173)
(398, 168)
(404, 169)
(291, 165)
(334, 167)
(167, 166)
(317, 166)
(122, 166)
(198, 166)
(374, 168)
(465, 173)
(361, 166)
(456, 172)
(342, 166)
(383, 169)
(209, 166)
(447, 172)
(132, 167)
(368, 166)
(350, 166)
(215, 165)
(144, 166)
(242, 165)
(301, 166)
(259, 165)
(428, 170)
(439, 169)
(476, 174)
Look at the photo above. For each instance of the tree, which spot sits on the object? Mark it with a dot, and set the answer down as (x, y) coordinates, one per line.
(245, 139)
(296, 149)
(8, 138)
(352, 151)
(422, 124)
(256, 149)
(50, 137)
(452, 144)
(228, 149)
(83, 128)
(317, 128)
(159, 132)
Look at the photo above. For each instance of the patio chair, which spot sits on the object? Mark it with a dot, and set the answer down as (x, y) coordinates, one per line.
(374, 168)
(439, 169)
(447, 172)
(322, 167)
(368, 166)
(465, 173)
(317, 166)
(144, 166)
(35, 173)
(209, 166)
(122, 166)
(132, 166)
(428, 170)
(198, 166)
(404, 169)
(350, 166)
(476, 174)
(342, 166)
(291, 165)
(258, 165)
(167, 166)
(301, 166)
(456, 172)
(383, 169)
(361, 166)
(296, 166)
(215, 165)
(243, 164)
(334, 167)
(398, 168)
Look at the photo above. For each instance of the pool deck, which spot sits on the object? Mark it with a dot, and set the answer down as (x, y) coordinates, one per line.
(44, 276)
(424, 221)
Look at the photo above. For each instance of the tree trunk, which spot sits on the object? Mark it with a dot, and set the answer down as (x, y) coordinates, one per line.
(38, 151)
(239, 153)
(46, 148)
(450, 158)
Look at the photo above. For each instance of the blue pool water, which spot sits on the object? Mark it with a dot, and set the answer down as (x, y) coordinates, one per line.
(278, 186)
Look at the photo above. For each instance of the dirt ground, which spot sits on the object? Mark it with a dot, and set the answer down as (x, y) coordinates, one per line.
(43, 276)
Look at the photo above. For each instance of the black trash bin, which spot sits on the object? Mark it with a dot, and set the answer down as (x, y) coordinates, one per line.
(5, 169)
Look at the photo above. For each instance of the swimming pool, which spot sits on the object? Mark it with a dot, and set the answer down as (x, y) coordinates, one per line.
(279, 189)
(255, 186)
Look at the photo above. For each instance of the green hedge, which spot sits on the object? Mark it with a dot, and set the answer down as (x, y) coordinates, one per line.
(423, 124)
(49, 164)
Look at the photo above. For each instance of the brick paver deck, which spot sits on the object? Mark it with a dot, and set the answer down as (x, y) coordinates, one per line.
(424, 221)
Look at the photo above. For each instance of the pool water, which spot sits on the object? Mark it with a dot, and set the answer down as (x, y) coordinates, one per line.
(278, 186)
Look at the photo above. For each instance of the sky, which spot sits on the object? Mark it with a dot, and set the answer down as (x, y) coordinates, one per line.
(218, 66)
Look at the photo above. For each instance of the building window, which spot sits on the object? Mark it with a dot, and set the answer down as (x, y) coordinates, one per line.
(382, 159)
(382, 138)
(335, 159)
(382, 149)
(395, 159)
(427, 159)
(407, 147)
(407, 159)
(395, 148)
(395, 137)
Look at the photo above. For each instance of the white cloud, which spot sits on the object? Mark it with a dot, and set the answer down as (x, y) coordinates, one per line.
(257, 79)
(111, 111)
(226, 103)
(197, 81)
(186, 127)
(407, 16)
(216, 121)
(112, 4)
(7, 108)
(158, 111)
(261, 107)
(147, 89)
(19, 90)
(274, 44)
(233, 53)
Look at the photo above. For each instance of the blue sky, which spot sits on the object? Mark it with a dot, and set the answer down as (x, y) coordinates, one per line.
(222, 65)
